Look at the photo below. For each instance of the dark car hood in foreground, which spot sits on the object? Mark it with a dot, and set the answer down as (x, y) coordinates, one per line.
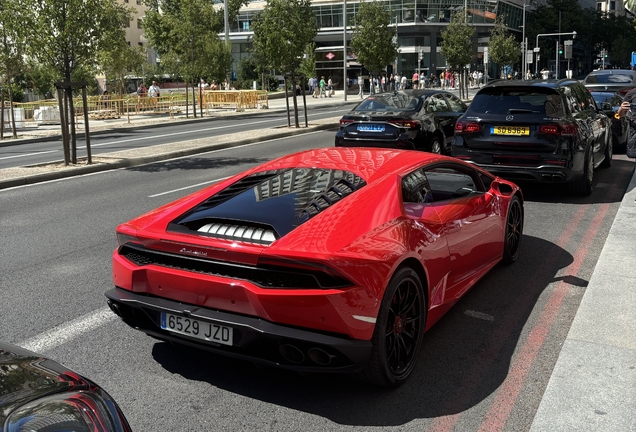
(26, 376)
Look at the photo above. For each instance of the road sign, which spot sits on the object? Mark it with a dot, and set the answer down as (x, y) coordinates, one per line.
(330, 55)
(529, 56)
(568, 42)
(485, 55)
(536, 49)
(568, 51)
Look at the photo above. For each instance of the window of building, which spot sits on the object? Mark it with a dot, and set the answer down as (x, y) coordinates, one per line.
(612, 5)
(138, 2)
(599, 6)
(139, 24)
(140, 44)
(128, 24)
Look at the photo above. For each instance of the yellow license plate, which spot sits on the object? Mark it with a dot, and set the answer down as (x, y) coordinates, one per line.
(510, 130)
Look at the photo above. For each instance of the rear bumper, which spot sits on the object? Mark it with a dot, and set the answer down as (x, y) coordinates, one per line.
(403, 142)
(255, 339)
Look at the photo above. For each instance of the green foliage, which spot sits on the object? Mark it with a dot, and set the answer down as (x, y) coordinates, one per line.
(16, 92)
(504, 49)
(282, 32)
(185, 35)
(119, 59)
(12, 39)
(248, 70)
(457, 46)
(373, 40)
(308, 63)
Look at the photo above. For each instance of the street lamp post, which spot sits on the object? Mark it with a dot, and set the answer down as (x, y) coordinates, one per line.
(573, 34)
(524, 42)
(345, 81)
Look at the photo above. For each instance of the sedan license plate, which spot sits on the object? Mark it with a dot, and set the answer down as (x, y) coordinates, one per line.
(370, 128)
(197, 329)
(510, 130)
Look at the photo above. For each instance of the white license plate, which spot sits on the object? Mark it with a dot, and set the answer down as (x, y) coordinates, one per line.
(370, 128)
(197, 329)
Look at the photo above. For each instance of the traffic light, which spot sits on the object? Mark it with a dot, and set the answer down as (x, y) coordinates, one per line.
(560, 49)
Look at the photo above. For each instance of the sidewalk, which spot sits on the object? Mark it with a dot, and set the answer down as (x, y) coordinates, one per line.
(593, 384)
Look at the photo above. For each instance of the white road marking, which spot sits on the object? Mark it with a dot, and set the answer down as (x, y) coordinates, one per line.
(479, 315)
(188, 187)
(70, 330)
(28, 154)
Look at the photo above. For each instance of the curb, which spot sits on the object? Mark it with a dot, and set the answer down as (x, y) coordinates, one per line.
(132, 127)
(136, 161)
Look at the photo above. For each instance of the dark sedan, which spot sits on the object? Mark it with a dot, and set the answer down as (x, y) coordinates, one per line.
(39, 394)
(609, 102)
(415, 120)
(619, 80)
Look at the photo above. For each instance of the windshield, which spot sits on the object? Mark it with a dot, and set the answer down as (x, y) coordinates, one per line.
(533, 100)
(613, 78)
(391, 102)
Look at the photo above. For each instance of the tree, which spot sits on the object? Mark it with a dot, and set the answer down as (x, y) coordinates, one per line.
(504, 49)
(373, 41)
(457, 45)
(12, 45)
(119, 59)
(185, 34)
(282, 32)
(67, 34)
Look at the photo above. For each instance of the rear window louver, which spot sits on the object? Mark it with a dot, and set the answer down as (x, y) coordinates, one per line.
(332, 195)
(236, 189)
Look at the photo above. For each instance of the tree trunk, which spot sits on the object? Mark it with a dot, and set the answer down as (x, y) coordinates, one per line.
(187, 101)
(1, 115)
(286, 100)
(293, 77)
(303, 80)
(11, 113)
(200, 100)
(194, 101)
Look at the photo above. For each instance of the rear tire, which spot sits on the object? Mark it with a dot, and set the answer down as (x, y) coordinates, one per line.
(609, 153)
(399, 331)
(435, 146)
(514, 231)
(585, 184)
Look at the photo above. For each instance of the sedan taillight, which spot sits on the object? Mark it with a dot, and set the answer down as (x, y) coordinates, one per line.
(466, 127)
(344, 122)
(411, 124)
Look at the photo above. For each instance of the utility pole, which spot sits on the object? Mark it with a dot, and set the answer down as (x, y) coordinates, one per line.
(557, 50)
(345, 81)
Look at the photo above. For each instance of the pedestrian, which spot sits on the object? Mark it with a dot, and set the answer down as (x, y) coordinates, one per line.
(628, 108)
(528, 75)
(322, 84)
(310, 85)
(154, 91)
(416, 80)
(392, 82)
(403, 82)
(360, 86)
(397, 82)
(330, 86)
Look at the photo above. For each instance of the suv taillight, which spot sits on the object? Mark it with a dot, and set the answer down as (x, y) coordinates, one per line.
(563, 130)
(466, 127)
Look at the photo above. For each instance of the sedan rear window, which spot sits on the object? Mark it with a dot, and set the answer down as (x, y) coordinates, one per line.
(518, 101)
(612, 78)
(393, 102)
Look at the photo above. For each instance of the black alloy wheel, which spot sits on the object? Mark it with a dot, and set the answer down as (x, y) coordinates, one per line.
(514, 231)
(585, 184)
(436, 145)
(399, 330)
(609, 152)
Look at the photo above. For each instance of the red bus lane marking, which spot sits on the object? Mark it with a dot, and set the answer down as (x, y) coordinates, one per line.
(498, 338)
(500, 409)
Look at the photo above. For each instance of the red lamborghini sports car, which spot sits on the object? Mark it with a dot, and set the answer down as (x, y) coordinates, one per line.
(334, 259)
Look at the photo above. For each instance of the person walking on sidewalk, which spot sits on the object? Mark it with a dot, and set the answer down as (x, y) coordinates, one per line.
(360, 86)
(329, 87)
(416, 80)
(628, 108)
(322, 86)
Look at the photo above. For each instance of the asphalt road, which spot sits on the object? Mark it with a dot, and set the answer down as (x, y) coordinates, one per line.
(115, 140)
(484, 366)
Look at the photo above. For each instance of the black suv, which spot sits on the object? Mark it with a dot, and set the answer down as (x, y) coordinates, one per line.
(544, 131)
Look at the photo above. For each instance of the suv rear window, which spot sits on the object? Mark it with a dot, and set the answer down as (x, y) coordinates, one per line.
(612, 78)
(533, 100)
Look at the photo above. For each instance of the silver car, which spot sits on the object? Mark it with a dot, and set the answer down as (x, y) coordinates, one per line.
(615, 80)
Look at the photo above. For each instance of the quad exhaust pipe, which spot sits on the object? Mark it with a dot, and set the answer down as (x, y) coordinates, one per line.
(295, 355)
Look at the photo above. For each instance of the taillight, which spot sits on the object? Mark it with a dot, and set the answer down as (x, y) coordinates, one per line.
(344, 122)
(466, 127)
(625, 91)
(563, 130)
(406, 123)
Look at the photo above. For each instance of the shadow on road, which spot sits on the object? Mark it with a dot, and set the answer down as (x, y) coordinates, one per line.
(463, 361)
(197, 163)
